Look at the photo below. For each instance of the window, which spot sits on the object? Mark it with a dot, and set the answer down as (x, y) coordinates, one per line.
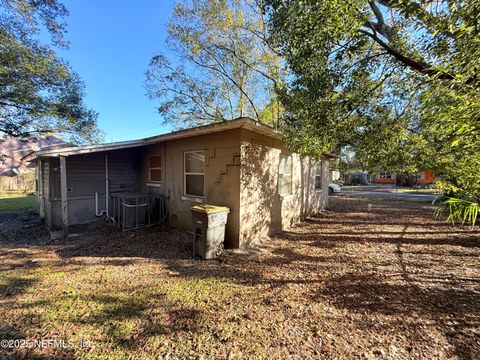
(155, 168)
(194, 173)
(318, 176)
(285, 175)
(385, 175)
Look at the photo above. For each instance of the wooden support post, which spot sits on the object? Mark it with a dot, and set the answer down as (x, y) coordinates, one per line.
(41, 201)
(63, 192)
(37, 185)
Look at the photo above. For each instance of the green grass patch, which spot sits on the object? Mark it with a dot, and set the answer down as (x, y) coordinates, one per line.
(194, 290)
(422, 191)
(16, 202)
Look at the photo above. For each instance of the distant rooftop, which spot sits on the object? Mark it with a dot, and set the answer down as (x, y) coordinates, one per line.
(13, 150)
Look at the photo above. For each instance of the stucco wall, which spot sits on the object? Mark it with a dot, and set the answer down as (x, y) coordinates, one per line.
(222, 174)
(263, 210)
(241, 172)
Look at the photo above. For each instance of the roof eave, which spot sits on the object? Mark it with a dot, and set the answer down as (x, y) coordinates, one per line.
(246, 123)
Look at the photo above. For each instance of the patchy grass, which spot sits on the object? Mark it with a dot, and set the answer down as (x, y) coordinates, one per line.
(422, 191)
(13, 202)
(389, 283)
(391, 188)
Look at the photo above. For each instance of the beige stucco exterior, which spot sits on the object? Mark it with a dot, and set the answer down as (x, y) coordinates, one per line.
(263, 211)
(241, 172)
(222, 174)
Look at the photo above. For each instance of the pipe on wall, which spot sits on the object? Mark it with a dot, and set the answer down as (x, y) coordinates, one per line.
(106, 185)
(96, 206)
(107, 190)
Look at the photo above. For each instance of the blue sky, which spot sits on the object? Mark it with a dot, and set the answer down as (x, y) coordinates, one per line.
(111, 43)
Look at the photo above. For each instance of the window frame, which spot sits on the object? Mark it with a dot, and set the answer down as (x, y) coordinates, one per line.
(155, 168)
(190, 173)
(281, 175)
(318, 164)
(385, 175)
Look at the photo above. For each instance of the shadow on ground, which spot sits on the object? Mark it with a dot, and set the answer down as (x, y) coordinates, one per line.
(391, 282)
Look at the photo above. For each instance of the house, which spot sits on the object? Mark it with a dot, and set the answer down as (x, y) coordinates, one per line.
(241, 164)
(385, 177)
(16, 173)
(425, 177)
(421, 178)
(359, 178)
(334, 175)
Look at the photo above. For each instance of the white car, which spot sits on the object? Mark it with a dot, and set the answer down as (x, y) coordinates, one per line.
(334, 188)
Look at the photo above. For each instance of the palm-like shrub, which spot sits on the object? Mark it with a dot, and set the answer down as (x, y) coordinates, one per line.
(458, 210)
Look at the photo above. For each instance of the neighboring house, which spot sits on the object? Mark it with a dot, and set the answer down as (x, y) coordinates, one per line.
(334, 175)
(425, 177)
(13, 170)
(241, 164)
(359, 178)
(385, 177)
(421, 178)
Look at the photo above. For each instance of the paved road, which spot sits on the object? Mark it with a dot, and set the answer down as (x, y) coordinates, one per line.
(389, 194)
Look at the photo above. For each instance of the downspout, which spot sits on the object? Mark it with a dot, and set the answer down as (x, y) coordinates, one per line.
(41, 200)
(97, 213)
(107, 195)
(165, 171)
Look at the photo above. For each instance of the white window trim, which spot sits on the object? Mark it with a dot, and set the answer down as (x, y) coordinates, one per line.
(286, 173)
(154, 168)
(191, 173)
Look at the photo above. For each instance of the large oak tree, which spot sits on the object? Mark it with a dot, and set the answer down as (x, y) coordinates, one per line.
(396, 81)
(39, 93)
(220, 65)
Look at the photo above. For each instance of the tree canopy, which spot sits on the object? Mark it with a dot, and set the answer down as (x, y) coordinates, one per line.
(39, 93)
(397, 81)
(222, 67)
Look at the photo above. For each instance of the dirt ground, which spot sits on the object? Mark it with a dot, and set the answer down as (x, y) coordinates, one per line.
(390, 283)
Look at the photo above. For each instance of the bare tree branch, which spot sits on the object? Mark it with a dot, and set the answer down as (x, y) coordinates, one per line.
(419, 66)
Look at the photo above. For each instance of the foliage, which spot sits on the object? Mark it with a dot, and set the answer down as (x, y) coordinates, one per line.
(395, 80)
(223, 68)
(459, 210)
(347, 163)
(39, 93)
